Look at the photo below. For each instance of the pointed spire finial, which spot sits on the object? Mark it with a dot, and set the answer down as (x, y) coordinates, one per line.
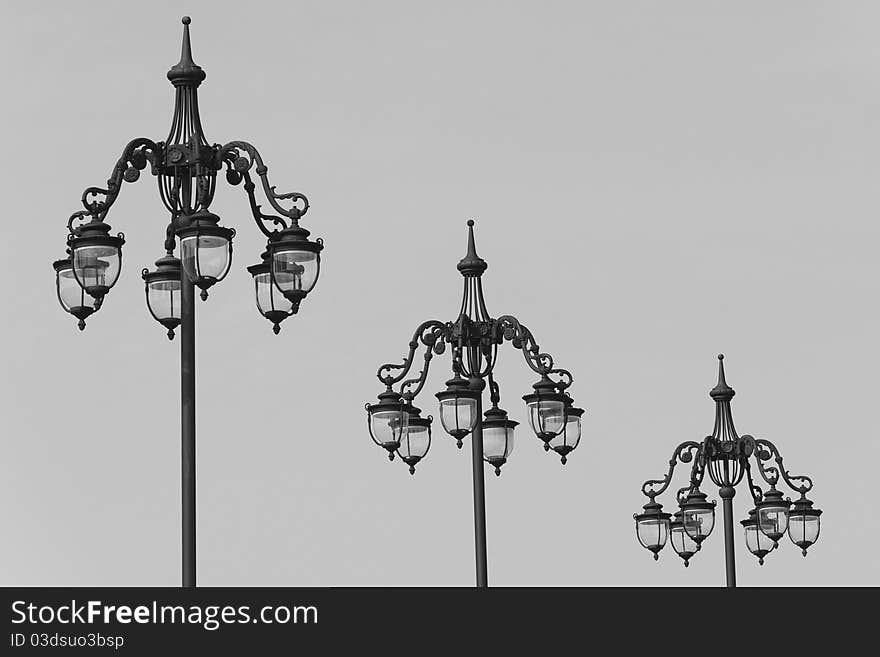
(471, 264)
(722, 391)
(186, 71)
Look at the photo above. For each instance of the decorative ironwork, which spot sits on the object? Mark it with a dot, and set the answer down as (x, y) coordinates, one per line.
(728, 458)
(473, 337)
(185, 166)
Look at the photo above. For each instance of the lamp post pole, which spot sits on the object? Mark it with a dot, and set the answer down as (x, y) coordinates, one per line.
(479, 496)
(726, 493)
(729, 459)
(186, 166)
(396, 425)
(188, 428)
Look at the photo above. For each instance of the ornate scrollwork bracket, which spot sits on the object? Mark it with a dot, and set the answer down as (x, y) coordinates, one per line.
(428, 333)
(97, 201)
(684, 453)
(239, 157)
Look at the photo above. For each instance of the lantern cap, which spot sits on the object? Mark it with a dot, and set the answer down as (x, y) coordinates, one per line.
(804, 507)
(652, 510)
(696, 500)
(65, 263)
(773, 497)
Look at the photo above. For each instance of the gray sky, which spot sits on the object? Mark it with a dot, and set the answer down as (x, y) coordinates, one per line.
(653, 183)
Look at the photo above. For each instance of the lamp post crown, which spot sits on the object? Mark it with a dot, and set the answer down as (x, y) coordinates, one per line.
(471, 264)
(721, 391)
(186, 72)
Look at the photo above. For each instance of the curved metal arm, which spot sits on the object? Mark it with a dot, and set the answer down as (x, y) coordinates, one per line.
(698, 471)
(509, 328)
(756, 491)
(419, 381)
(236, 163)
(427, 333)
(79, 215)
(683, 453)
(133, 160)
(805, 485)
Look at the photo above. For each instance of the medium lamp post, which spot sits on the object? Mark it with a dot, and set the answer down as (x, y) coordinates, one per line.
(729, 459)
(185, 166)
(474, 337)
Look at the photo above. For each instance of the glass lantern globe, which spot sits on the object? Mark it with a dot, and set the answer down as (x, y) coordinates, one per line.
(682, 543)
(546, 411)
(772, 514)
(803, 523)
(416, 440)
(97, 258)
(497, 438)
(205, 249)
(163, 292)
(757, 541)
(295, 263)
(72, 297)
(271, 303)
(566, 440)
(698, 516)
(652, 527)
(458, 408)
(388, 421)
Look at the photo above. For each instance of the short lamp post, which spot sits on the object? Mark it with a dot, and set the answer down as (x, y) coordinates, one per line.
(397, 426)
(727, 458)
(185, 167)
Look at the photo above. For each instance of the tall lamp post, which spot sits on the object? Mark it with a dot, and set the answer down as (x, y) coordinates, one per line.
(185, 166)
(397, 426)
(726, 457)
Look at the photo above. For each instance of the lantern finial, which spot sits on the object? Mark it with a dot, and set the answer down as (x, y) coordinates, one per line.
(471, 264)
(721, 391)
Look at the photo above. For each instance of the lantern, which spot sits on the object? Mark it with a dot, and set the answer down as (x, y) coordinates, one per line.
(546, 410)
(97, 257)
(388, 421)
(652, 527)
(458, 408)
(497, 438)
(71, 295)
(163, 292)
(205, 248)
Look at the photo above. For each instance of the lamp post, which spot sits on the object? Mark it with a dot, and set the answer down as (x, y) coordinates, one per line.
(474, 337)
(726, 457)
(186, 166)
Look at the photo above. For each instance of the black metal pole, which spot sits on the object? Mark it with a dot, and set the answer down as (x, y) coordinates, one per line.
(188, 427)
(727, 494)
(479, 497)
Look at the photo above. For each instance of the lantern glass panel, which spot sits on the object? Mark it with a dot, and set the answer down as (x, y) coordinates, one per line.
(653, 532)
(773, 521)
(546, 416)
(571, 436)
(388, 426)
(756, 540)
(205, 256)
(698, 523)
(71, 295)
(164, 299)
(268, 297)
(803, 529)
(497, 442)
(416, 442)
(295, 270)
(97, 266)
(682, 543)
(458, 414)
